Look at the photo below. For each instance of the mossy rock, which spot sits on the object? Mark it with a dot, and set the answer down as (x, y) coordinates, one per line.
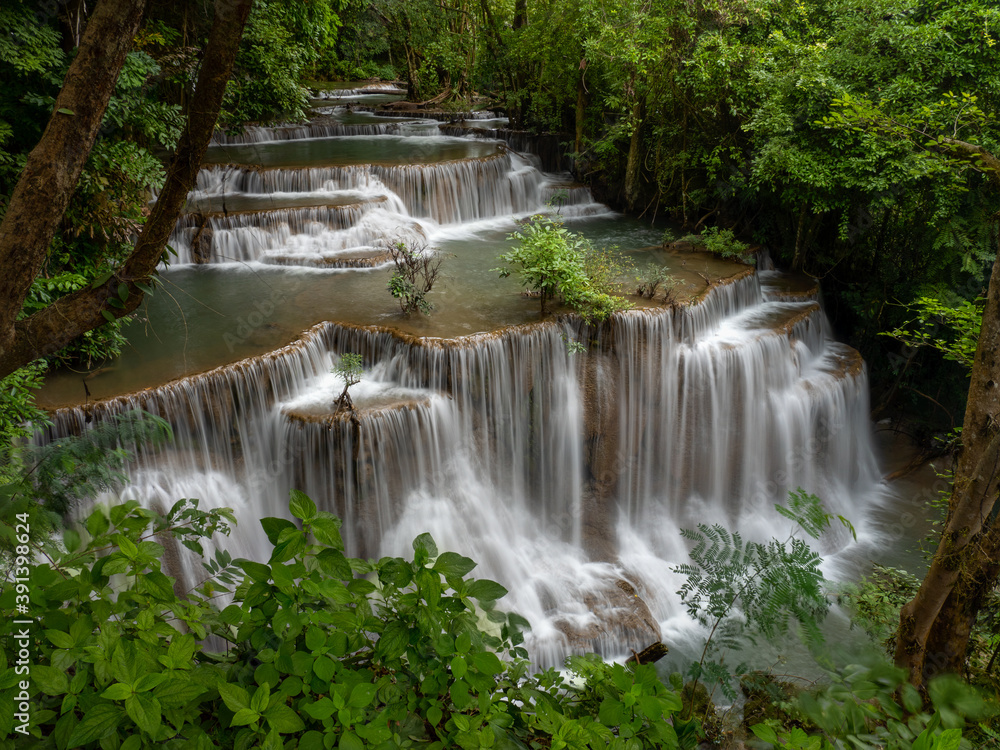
(767, 697)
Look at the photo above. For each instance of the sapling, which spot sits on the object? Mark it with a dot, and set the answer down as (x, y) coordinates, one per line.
(349, 368)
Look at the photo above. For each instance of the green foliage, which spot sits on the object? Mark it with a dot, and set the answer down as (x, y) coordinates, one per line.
(553, 261)
(322, 650)
(721, 242)
(875, 602)
(739, 590)
(416, 270)
(47, 482)
(951, 330)
(349, 368)
(874, 708)
(17, 408)
(654, 276)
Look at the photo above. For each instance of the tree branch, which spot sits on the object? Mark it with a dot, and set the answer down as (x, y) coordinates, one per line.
(55, 326)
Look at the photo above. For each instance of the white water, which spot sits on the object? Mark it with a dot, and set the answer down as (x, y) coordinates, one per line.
(562, 474)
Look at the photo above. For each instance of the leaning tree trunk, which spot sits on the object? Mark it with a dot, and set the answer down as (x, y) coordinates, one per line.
(51, 328)
(934, 628)
(53, 168)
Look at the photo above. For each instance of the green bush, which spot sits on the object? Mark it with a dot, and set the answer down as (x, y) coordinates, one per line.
(322, 650)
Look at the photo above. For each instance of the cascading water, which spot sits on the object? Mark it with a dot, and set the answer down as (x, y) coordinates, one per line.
(566, 476)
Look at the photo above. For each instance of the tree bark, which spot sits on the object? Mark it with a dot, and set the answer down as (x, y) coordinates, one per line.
(934, 628)
(632, 171)
(52, 328)
(53, 167)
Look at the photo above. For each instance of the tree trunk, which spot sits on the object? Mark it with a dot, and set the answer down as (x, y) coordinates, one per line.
(52, 328)
(934, 628)
(53, 167)
(632, 168)
(581, 107)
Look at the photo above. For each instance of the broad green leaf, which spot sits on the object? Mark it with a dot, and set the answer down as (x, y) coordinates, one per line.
(234, 696)
(144, 710)
(49, 680)
(361, 695)
(453, 565)
(274, 526)
(260, 698)
(98, 722)
(488, 663)
(765, 733)
(257, 571)
(117, 692)
(393, 641)
(59, 639)
(486, 590)
(302, 506)
(458, 666)
(243, 717)
(321, 709)
(350, 741)
(611, 712)
(425, 544)
(327, 531)
(284, 719)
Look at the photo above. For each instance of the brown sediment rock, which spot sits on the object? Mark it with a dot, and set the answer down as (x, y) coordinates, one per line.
(621, 616)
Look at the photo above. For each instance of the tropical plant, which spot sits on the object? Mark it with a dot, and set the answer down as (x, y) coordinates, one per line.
(322, 650)
(740, 590)
(553, 261)
(416, 270)
(349, 368)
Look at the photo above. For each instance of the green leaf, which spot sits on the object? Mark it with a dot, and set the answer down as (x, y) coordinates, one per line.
(274, 526)
(486, 590)
(458, 666)
(394, 640)
(488, 663)
(327, 531)
(144, 710)
(260, 697)
(302, 506)
(59, 639)
(257, 571)
(65, 111)
(243, 717)
(99, 722)
(361, 695)
(949, 739)
(234, 696)
(765, 733)
(283, 719)
(321, 709)
(108, 316)
(611, 713)
(117, 692)
(350, 741)
(453, 565)
(49, 680)
(424, 544)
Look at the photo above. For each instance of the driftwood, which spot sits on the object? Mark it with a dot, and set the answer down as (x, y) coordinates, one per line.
(649, 655)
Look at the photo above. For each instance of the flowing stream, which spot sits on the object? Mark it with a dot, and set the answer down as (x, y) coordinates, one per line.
(566, 476)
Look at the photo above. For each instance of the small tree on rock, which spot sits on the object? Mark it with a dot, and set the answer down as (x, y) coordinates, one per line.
(415, 274)
(349, 368)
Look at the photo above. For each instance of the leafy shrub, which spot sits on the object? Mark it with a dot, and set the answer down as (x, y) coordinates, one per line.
(652, 278)
(415, 274)
(553, 261)
(322, 650)
(721, 242)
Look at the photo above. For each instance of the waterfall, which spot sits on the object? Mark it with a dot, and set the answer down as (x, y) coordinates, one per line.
(566, 476)
(392, 202)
